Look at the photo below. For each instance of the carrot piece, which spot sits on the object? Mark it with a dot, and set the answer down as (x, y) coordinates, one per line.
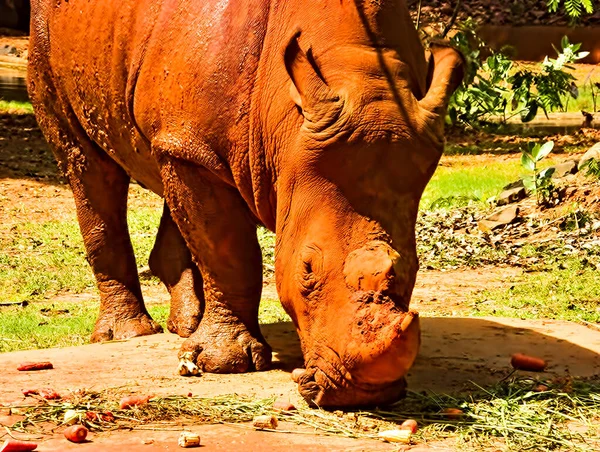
(520, 361)
(410, 424)
(130, 401)
(452, 413)
(13, 445)
(35, 366)
(76, 433)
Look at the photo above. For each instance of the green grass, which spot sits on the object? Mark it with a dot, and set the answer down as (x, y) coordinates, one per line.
(569, 290)
(42, 259)
(459, 185)
(14, 107)
(46, 324)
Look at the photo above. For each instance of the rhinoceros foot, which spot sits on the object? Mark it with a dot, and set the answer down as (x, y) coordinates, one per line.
(111, 327)
(226, 348)
(186, 305)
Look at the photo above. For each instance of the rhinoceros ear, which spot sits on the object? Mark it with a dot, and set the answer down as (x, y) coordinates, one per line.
(307, 88)
(446, 71)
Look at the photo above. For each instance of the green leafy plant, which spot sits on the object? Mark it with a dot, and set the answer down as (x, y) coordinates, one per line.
(498, 88)
(538, 181)
(592, 168)
(574, 8)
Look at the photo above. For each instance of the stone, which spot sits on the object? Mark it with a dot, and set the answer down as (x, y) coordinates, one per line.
(515, 184)
(592, 153)
(499, 218)
(511, 195)
(565, 168)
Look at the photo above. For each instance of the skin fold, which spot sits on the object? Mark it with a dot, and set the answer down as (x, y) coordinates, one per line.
(322, 121)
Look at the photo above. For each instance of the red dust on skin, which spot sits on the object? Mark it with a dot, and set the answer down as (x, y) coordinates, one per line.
(321, 122)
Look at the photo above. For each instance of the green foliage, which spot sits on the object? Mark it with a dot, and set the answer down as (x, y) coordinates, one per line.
(574, 8)
(592, 168)
(497, 87)
(538, 181)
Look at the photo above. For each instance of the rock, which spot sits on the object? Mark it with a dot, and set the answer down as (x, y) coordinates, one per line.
(499, 218)
(510, 196)
(592, 153)
(515, 184)
(564, 169)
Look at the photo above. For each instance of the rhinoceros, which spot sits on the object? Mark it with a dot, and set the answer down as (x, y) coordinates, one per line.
(321, 120)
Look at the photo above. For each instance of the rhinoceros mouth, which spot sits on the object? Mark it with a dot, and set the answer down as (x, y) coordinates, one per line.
(319, 390)
(328, 384)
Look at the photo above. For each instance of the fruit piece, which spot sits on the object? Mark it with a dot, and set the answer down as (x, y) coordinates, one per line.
(520, 361)
(28, 392)
(49, 394)
(188, 439)
(396, 436)
(283, 405)
(131, 401)
(540, 388)
(42, 365)
(266, 421)
(71, 417)
(13, 445)
(452, 413)
(296, 374)
(76, 433)
(410, 424)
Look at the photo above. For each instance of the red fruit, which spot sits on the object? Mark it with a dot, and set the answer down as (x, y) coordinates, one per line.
(76, 433)
(519, 361)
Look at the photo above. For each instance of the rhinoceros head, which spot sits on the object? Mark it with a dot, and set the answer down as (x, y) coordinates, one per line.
(348, 194)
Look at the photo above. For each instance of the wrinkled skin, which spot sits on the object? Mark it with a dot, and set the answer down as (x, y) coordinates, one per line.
(322, 121)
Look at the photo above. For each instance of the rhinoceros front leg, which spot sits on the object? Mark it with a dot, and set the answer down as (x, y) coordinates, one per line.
(221, 235)
(172, 262)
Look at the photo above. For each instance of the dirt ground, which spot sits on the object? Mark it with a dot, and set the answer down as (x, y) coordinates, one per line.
(454, 352)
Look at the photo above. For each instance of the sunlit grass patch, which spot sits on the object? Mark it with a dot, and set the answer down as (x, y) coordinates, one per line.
(14, 107)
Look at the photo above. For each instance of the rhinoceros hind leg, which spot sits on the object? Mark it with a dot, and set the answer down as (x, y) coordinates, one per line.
(221, 235)
(172, 262)
(100, 189)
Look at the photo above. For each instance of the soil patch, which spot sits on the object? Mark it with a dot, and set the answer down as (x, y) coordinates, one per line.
(454, 352)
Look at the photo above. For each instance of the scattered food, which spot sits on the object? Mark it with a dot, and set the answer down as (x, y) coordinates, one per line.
(452, 413)
(541, 388)
(188, 439)
(519, 361)
(35, 366)
(28, 392)
(49, 394)
(396, 436)
(283, 405)
(187, 366)
(411, 425)
(76, 433)
(13, 445)
(268, 422)
(131, 401)
(71, 417)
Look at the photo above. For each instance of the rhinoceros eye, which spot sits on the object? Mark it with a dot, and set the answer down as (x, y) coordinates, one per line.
(311, 262)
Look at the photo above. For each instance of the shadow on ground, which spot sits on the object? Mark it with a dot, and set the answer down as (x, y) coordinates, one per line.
(454, 352)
